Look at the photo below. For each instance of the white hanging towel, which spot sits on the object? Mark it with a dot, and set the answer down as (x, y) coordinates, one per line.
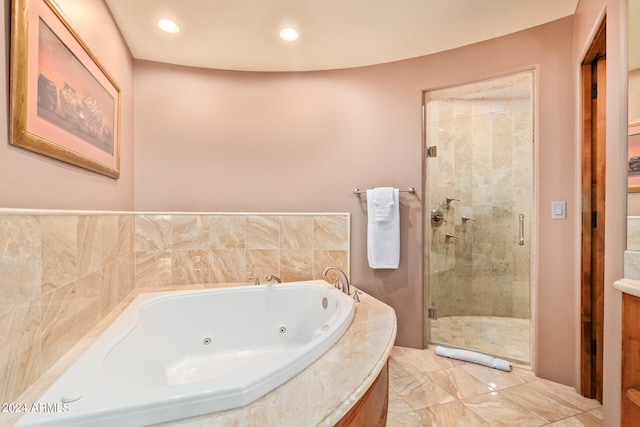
(383, 227)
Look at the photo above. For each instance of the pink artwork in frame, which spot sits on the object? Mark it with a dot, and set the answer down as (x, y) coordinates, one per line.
(64, 104)
(633, 158)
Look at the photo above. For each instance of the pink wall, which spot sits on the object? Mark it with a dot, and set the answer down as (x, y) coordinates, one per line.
(230, 141)
(29, 180)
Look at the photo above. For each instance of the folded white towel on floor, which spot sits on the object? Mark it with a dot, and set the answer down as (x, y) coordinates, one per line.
(383, 227)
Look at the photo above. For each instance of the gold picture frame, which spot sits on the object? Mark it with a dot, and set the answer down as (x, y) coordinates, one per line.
(633, 157)
(64, 103)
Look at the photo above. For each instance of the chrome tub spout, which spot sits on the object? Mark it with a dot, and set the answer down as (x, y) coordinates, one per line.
(343, 278)
(272, 277)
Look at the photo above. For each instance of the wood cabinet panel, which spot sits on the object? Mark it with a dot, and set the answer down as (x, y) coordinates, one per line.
(630, 360)
(371, 409)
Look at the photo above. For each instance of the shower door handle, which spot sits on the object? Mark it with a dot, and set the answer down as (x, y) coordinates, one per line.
(521, 240)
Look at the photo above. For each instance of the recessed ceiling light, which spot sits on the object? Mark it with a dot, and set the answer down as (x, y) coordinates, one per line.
(289, 34)
(168, 25)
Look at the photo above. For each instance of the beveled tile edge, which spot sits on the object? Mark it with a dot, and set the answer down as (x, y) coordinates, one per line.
(60, 212)
(19, 211)
(628, 286)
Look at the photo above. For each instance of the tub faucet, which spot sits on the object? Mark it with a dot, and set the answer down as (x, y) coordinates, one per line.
(343, 278)
(271, 277)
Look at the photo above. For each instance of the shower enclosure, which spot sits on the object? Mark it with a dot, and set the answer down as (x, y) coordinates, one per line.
(479, 202)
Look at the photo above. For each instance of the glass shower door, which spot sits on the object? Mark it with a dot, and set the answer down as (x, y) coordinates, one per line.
(479, 181)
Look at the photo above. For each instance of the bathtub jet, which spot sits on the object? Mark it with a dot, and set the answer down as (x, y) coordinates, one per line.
(172, 355)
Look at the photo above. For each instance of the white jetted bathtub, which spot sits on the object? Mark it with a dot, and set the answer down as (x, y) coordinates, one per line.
(172, 355)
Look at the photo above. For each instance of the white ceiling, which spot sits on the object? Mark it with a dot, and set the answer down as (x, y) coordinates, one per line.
(243, 34)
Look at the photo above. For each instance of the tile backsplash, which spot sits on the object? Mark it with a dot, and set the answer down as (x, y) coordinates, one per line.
(182, 249)
(62, 272)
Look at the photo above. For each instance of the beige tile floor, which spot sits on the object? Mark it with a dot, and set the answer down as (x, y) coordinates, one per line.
(429, 390)
(486, 335)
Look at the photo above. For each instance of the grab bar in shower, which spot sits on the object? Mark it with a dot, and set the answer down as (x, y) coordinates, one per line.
(410, 190)
(521, 242)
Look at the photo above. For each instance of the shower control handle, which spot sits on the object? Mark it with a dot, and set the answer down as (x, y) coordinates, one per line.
(521, 240)
(437, 218)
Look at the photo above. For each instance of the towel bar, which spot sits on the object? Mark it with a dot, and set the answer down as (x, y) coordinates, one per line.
(410, 190)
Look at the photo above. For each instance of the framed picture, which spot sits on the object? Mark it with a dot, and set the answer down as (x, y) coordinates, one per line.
(633, 158)
(64, 103)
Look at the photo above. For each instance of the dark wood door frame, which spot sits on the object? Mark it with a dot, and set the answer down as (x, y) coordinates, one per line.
(593, 95)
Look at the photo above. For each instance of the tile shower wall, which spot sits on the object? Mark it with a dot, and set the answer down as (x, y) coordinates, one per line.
(484, 161)
(62, 272)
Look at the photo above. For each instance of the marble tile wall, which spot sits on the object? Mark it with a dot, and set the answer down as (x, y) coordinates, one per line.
(632, 265)
(484, 140)
(182, 249)
(632, 254)
(633, 233)
(62, 272)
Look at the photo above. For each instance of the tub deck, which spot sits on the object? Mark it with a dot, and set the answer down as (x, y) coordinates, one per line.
(339, 378)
